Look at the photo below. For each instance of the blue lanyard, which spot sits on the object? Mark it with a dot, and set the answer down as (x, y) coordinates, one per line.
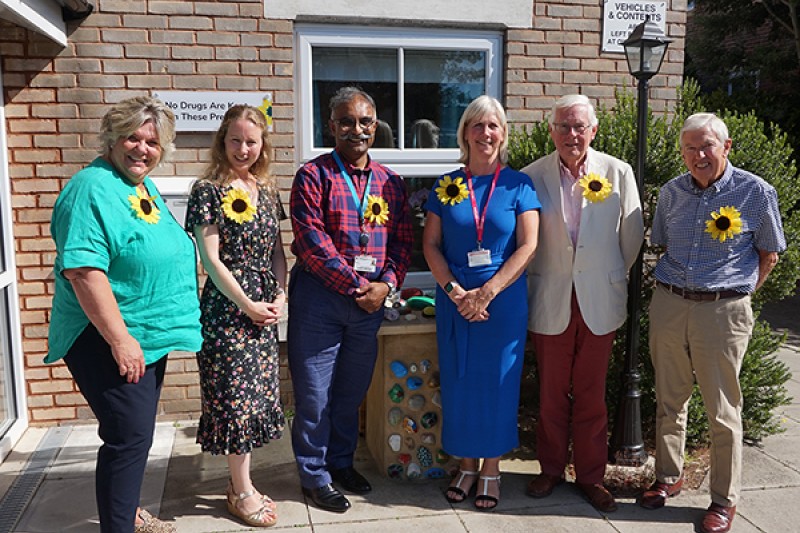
(359, 202)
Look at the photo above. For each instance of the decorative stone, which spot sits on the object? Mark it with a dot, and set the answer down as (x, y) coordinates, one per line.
(391, 314)
(429, 311)
(429, 419)
(398, 369)
(428, 438)
(410, 444)
(395, 441)
(436, 399)
(425, 457)
(435, 473)
(412, 368)
(413, 471)
(395, 416)
(433, 382)
(396, 393)
(442, 456)
(413, 383)
(395, 471)
(404, 458)
(416, 402)
(425, 365)
(410, 425)
(410, 316)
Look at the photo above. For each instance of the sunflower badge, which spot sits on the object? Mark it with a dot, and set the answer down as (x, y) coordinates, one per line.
(266, 108)
(725, 224)
(237, 206)
(377, 210)
(595, 188)
(144, 206)
(451, 191)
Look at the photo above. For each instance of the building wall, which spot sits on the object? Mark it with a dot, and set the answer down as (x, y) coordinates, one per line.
(55, 98)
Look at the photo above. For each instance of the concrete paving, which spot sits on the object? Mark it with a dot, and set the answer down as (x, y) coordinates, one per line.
(186, 486)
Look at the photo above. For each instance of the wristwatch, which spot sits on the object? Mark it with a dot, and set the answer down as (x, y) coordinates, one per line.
(450, 286)
(392, 289)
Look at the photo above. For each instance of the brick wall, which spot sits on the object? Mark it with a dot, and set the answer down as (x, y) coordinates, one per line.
(55, 98)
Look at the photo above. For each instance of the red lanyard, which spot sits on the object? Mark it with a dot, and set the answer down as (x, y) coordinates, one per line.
(479, 221)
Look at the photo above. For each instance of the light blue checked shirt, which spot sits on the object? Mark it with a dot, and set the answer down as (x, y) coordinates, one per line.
(695, 261)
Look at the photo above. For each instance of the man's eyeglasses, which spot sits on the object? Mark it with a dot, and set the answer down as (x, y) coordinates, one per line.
(562, 128)
(348, 123)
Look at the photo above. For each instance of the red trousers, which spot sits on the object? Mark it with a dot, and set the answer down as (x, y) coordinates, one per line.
(572, 380)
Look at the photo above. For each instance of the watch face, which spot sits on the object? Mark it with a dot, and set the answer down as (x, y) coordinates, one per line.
(449, 287)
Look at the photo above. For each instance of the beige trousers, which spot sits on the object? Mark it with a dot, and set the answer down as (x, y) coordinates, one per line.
(706, 342)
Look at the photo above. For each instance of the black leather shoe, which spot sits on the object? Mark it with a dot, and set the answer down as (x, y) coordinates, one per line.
(351, 480)
(328, 498)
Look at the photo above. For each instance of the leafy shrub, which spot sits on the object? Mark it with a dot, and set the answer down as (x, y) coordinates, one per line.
(757, 148)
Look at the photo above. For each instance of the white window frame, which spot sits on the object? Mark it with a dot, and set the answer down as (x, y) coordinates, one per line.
(406, 161)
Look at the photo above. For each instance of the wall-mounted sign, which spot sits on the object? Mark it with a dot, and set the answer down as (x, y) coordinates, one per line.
(621, 16)
(203, 111)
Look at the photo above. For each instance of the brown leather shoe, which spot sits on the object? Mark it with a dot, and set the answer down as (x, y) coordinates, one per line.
(718, 519)
(656, 496)
(598, 496)
(542, 485)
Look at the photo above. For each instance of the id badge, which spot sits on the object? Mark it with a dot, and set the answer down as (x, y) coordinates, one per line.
(479, 258)
(365, 263)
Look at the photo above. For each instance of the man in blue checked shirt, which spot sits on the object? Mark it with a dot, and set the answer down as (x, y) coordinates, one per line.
(722, 232)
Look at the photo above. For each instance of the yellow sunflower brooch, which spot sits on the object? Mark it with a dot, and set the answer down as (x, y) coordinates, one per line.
(237, 206)
(451, 191)
(377, 210)
(725, 224)
(144, 206)
(595, 188)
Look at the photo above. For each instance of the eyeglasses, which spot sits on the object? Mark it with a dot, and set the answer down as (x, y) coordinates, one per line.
(348, 123)
(562, 128)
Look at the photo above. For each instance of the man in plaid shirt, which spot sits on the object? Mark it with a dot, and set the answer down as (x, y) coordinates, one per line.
(352, 241)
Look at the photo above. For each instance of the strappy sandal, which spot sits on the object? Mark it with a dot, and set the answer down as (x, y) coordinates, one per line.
(264, 517)
(483, 495)
(461, 494)
(151, 524)
(265, 500)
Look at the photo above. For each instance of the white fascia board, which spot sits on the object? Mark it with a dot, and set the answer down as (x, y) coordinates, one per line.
(41, 16)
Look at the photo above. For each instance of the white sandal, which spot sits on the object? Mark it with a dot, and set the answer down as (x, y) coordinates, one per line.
(456, 487)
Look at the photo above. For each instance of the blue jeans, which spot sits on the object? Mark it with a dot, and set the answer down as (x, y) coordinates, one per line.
(126, 414)
(333, 346)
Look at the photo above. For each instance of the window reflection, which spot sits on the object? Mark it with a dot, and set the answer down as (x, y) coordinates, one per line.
(7, 411)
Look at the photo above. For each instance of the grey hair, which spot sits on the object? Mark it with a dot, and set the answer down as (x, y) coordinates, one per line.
(571, 100)
(347, 94)
(700, 121)
(482, 106)
(127, 116)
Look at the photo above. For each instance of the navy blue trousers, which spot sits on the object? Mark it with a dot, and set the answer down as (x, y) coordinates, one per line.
(333, 346)
(126, 416)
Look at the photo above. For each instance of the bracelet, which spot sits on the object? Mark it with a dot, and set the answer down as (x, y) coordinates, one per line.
(280, 291)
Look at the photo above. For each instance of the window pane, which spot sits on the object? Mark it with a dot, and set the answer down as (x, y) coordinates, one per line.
(418, 190)
(439, 84)
(7, 404)
(373, 70)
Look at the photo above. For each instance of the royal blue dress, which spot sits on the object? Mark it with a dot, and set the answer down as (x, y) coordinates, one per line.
(481, 362)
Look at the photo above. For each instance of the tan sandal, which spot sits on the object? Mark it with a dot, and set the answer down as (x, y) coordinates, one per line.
(264, 517)
(265, 500)
(456, 488)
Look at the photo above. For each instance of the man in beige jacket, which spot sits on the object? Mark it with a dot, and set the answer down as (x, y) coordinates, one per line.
(590, 234)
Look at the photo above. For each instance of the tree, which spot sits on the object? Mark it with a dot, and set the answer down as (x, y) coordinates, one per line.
(746, 55)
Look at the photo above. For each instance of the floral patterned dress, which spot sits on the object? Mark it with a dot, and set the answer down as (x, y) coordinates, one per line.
(238, 362)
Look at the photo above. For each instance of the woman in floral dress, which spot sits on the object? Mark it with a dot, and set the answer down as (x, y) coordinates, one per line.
(234, 214)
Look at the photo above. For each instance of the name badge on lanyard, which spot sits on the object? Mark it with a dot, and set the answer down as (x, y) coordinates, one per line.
(365, 263)
(480, 256)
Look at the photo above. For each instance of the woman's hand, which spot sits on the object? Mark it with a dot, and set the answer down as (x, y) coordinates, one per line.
(473, 304)
(130, 359)
(266, 313)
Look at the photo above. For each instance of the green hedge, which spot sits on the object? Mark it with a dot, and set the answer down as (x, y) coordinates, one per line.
(758, 148)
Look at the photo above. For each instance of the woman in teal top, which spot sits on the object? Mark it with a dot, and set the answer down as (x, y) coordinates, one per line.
(126, 295)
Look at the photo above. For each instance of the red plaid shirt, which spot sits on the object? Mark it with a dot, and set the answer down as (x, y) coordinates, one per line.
(326, 225)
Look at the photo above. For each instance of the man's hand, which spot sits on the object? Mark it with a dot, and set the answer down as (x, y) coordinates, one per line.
(370, 297)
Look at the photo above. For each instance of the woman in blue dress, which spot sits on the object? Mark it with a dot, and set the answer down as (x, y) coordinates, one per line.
(480, 234)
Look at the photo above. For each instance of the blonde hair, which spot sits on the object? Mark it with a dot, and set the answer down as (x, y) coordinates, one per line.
(129, 115)
(218, 170)
(479, 108)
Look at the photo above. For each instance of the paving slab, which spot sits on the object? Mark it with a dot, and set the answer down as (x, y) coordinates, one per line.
(764, 471)
(772, 510)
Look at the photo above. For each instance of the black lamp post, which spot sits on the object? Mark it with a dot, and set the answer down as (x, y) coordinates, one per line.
(644, 49)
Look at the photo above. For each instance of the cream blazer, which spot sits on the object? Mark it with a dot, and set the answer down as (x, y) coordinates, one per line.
(611, 234)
